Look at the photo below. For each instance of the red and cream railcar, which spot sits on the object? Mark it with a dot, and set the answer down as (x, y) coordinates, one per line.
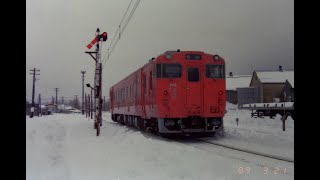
(178, 92)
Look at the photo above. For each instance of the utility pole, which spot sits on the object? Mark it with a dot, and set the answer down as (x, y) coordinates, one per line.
(91, 107)
(88, 105)
(39, 103)
(33, 89)
(76, 102)
(83, 72)
(62, 101)
(56, 89)
(104, 103)
(85, 107)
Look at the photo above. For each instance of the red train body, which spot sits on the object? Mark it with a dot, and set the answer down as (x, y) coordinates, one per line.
(178, 92)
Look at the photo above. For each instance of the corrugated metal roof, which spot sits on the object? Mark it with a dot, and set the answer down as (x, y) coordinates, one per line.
(237, 81)
(276, 76)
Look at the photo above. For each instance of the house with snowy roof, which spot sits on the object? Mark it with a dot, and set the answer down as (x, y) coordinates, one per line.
(287, 92)
(271, 84)
(233, 82)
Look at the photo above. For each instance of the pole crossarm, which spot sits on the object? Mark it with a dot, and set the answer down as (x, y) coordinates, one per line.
(90, 53)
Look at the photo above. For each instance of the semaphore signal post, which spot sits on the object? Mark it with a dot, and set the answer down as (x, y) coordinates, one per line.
(97, 77)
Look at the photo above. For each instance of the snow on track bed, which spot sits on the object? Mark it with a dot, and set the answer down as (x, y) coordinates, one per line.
(249, 151)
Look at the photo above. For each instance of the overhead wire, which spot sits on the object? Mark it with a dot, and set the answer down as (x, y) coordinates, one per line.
(121, 30)
(120, 23)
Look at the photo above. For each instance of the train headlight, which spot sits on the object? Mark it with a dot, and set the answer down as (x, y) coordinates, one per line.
(216, 57)
(220, 92)
(168, 56)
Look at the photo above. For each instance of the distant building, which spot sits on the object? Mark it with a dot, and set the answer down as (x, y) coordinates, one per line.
(287, 92)
(271, 83)
(232, 83)
(48, 109)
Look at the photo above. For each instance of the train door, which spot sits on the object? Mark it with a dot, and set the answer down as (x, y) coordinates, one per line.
(194, 93)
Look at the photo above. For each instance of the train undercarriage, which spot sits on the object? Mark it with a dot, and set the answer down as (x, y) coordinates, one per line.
(173, 127)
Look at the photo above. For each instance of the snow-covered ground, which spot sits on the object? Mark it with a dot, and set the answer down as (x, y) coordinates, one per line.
(263, 135)
(65, 147)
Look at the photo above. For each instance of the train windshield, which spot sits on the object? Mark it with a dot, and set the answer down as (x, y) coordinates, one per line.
(215, 71)
(168, 70)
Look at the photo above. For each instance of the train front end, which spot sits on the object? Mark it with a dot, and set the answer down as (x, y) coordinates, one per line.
(191, 93)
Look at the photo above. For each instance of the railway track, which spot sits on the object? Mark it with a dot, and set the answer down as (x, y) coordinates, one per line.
(222, 145)
(247, 151)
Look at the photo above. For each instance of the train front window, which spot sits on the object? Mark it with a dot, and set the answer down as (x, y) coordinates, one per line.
(168, 70)
(215, 71)
(193, 57)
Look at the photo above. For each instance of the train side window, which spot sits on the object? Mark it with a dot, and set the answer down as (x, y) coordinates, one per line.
(158, 70)
(127, 95)
(144, 83)
(154, 70)
(134, 89)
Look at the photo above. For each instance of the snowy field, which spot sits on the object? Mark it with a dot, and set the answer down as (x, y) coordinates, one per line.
(262, 135)
(65, 147)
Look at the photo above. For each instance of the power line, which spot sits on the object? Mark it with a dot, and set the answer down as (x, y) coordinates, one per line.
(119, 26)
(112, 46)
(125, 13)
(118, 29)
(124, 27)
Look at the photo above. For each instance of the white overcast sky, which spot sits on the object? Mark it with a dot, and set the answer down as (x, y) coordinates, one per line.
(249, 34)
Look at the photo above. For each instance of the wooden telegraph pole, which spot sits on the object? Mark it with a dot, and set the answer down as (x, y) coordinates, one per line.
(33, 90)
(56, 89)
(85, 105)
(83, 72)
